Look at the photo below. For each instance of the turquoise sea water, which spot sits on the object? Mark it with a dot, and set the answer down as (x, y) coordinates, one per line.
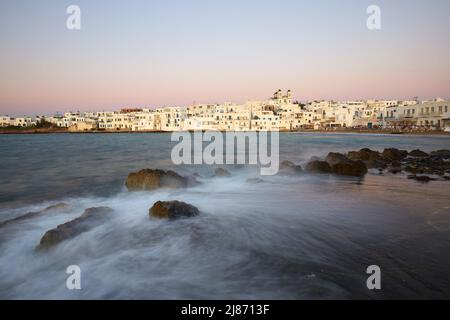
(293, 237)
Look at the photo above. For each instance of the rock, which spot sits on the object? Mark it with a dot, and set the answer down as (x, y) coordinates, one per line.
(432, 164)
(150, 179)
(371, 158)
(172, 210)
(315, 158)
(408, 168)
(342, 165)
(192, 181)
(335, 158)
(318, 167)
(443, 154)
(58, 207)
(290, 166)
(421, 178)
(352, 168)
(393, 154)
(364, 154)
(63, 207)
(395, 170)
(221, 172)
(91, 218)
(396, 164)
(375, 164)
(418, 153)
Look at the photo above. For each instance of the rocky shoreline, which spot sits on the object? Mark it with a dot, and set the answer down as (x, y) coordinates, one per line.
(415, 164)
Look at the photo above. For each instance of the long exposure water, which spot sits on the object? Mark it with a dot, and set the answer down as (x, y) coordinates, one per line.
(289, 236)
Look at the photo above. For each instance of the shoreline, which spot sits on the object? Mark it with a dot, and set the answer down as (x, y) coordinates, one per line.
(355, 131)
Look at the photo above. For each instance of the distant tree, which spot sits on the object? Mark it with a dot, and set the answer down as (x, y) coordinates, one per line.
(44, 124)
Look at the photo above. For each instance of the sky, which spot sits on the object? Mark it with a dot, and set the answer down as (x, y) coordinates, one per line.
(152, 53)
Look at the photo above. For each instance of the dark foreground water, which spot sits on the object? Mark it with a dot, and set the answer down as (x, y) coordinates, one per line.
(294, 237)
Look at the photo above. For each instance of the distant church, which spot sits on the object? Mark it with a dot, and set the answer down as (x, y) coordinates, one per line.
(282, 99)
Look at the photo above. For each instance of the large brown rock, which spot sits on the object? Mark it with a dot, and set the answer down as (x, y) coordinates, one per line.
(317, 166)
(393, 154)
(150, 179)
(371, 158)
(91, 218)
(172, 210)
(335, 158)
(352, 168)
(342, 165)
(364, 154)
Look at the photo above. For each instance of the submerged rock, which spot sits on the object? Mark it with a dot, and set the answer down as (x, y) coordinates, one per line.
(63, 207)
(421, 178)
(318, 167)
(418, 153)
(443, 154)
(58, 207)
(150, 179)
(221, 172)
(172, 210)
(91, 218)
(287, 165)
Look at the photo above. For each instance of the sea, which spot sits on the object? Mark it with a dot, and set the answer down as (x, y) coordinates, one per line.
(295, 236)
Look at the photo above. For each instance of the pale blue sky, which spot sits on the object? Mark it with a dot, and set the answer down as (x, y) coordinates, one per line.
(153, 53)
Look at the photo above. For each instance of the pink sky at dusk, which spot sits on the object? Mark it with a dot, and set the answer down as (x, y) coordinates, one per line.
(167, 53)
